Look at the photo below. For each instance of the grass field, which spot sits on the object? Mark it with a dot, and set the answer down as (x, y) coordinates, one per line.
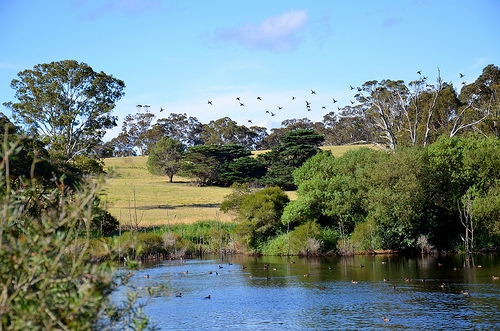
(133, 190)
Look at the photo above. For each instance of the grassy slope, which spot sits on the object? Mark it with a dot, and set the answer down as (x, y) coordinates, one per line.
(158, 202)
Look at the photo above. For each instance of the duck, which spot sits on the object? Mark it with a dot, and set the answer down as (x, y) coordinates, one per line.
(495, 277)
(292, 262)
(464, 293)
(442, 285)
(385, 319)
(186, 272)
(386, 279)
(147, 276)
(393, 287)
(353, 282)
(322, 289)
(210, 273)
(208, 297)
(384, 262)
(407, 280)
(178, 295)
(306, 275)
(330, 268)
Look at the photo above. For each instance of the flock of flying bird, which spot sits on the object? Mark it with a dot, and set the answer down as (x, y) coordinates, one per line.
(313, 92)
(308, 104)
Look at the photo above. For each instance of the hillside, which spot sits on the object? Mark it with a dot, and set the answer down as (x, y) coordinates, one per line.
(158, 202)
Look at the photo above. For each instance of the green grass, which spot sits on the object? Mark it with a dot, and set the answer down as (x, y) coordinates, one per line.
(158, 202)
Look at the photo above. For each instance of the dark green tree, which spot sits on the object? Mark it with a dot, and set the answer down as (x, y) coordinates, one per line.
(296, 147)
(210, 164)
(67, 105)
(166, 158)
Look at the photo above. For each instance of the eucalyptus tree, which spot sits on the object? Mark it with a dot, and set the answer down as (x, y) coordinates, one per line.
(481, 100)
(67, 105)
(397, 107)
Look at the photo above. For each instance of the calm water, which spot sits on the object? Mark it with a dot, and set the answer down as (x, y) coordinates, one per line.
(326, 299)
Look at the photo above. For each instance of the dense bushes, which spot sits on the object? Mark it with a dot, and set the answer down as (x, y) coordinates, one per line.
(386, 200)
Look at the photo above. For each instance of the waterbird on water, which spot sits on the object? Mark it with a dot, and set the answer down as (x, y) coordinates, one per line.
(385, 319)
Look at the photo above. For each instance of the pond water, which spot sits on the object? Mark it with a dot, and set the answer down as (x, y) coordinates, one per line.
(325, 293)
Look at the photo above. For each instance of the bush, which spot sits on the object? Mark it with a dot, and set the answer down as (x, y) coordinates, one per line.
(48, 279)
(260, 215)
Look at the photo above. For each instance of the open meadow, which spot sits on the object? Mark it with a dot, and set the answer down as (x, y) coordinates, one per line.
(134, 191)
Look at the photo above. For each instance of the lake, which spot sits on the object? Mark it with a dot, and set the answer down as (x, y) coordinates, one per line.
(327, 293)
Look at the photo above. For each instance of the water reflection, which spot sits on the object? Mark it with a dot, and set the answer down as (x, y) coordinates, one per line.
(318, 293)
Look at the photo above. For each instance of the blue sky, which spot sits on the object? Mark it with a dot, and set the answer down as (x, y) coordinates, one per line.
(179, 54)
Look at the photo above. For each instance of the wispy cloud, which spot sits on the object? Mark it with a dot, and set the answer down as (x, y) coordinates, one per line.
(95, 9)
(391, 22)
(276, 33)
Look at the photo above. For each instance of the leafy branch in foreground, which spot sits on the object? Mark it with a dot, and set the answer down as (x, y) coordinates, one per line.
(47, 277)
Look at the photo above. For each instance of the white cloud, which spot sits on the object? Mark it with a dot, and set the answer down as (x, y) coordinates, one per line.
(276, 33)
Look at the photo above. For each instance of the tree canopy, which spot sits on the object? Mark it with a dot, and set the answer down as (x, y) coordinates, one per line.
(66, 104)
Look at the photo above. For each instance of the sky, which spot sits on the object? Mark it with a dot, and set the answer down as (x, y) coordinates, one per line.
(178, 55)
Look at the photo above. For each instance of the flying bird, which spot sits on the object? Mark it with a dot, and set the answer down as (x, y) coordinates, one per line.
(272, 114)
(352, 102)
(308, 103)
(210, 102)
(238, 98)
(241, 104)
(419, 72)
(313, 92)
(279, 108)
(293, 98)
(323, 107)
(250, 121)
(359, 89)
(352, 88)
(139, 106)
(267, 111)
(461, 75)
(338, 107)
(258, 98)
(161, 109)
(334, 101)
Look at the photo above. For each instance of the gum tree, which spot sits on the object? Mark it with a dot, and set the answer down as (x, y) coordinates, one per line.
(67, 105)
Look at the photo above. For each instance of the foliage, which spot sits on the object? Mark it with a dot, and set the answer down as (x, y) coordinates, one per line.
(180, 127)
(105, 222)
(136, 130)
(47, 277)
(389, 200)
(259, 216)
(232, 202)
(165, 158)
(211, 164)
(67, 105)
(296, 147)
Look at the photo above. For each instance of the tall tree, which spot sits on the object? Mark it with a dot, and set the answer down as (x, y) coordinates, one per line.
(166, 157)
(180, 127)
(136, 127)
(296, 147)
(482, 98)
(66, 104)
